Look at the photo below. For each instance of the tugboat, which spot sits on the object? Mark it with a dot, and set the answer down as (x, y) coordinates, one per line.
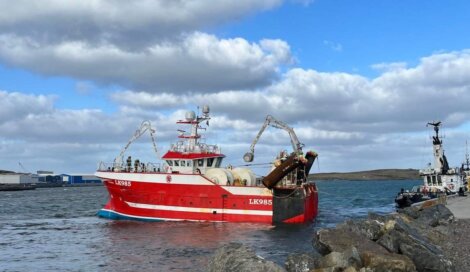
(437, 180)
(191, 185)
(441, 177)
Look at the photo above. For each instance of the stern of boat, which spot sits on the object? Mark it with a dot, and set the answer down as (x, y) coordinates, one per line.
(295, 205)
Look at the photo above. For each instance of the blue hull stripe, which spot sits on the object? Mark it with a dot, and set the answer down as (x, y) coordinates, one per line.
(109, 214)
(118, 216)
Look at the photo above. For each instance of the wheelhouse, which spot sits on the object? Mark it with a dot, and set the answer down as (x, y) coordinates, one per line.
(176, 162)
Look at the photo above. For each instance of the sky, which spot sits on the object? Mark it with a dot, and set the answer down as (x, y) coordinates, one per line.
(357, 80)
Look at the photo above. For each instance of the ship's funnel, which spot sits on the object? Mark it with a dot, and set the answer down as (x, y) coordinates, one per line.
(248, 157)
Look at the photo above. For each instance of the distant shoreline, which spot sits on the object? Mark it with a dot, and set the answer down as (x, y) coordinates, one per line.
(379, 174)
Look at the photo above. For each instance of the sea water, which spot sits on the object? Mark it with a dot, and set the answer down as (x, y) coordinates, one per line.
(56, 229)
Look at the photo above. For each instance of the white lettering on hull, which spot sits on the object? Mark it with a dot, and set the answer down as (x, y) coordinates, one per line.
(258, 201)
(123, 183)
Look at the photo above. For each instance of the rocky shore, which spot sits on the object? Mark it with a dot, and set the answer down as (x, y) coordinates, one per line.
(414, 239)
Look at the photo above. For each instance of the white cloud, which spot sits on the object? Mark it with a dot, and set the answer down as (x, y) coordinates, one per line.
(333, 45)
(389, 67)
(198, 62)
(124, 23)
(15, 106)
(153, 45)
(343, 113)
(377, 123)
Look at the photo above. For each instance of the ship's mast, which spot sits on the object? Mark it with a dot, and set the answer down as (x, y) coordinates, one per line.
(194, 120)
(467, 158)
(440, 161)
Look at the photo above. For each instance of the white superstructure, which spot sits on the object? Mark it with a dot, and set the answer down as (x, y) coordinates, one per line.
(440, 177)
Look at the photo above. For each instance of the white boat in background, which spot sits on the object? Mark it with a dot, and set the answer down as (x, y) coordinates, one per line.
(440, 177)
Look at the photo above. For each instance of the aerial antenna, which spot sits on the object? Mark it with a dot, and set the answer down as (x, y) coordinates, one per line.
(467, 159)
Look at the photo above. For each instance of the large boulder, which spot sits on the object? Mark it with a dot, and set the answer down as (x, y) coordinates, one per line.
(431, 222)
(435, 216)
(342, 238)
(430, 216)
(370, 228)
(387, 262)
(237, 257)
(301, 262)
(404, 239)
(341, 260)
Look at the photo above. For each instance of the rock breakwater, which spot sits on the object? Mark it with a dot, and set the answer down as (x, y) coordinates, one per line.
(414, 239)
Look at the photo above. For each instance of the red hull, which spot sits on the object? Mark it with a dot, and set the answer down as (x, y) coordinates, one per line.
(192, 197)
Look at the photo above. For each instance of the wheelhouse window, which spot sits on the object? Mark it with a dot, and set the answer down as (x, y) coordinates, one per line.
(439, 180)
(210, 161)
(428, 179)
(200, 162)
(218, 162)
(170, 163)
(177, 163)
(434, 180)
(183, 163)
(189, 163)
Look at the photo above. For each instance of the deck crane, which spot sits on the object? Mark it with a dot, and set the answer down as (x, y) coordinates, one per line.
(296, 163)
(271, 121)
(144, 127)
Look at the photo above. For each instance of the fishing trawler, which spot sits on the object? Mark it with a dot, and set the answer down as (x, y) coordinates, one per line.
(191, 184)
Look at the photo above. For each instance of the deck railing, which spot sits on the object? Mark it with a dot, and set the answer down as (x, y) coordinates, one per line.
(149, 167)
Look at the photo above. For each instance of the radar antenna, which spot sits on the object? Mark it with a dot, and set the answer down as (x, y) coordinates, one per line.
(436, 126)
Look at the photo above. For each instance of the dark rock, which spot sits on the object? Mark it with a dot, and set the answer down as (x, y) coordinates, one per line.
(347, 258)
(406, 240)
(328, 269)
(429, 216)
(431, 222)
(341, 239)
(370, 228)
(379, 217)
(388, 262)
(435, 216)
(412, 212)
(437, 235)
(302, 262)
(390, 241)
(424, 259)
(237, 257)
